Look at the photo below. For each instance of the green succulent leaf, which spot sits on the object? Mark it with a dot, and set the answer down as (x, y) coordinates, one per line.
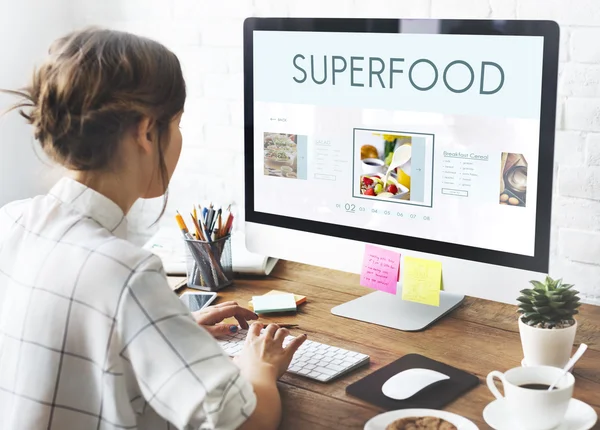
(525, 300)
(526, 308)
(538, 285)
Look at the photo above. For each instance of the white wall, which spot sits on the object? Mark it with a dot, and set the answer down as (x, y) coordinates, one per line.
(27, 27)
(207, 36)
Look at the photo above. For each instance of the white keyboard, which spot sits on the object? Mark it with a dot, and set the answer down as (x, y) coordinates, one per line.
(313, 360)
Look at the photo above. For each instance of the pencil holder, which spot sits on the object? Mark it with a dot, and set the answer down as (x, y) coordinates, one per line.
(209, 265)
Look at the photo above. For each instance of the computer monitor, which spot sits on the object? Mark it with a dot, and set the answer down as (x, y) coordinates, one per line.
(465, 107)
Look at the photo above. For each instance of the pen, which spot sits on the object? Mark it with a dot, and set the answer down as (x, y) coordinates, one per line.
(219, 222)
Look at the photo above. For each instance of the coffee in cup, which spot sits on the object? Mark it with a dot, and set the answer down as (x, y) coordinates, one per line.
(372, 166)
(528, 403)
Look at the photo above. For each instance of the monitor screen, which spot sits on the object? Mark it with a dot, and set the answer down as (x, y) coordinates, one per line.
(419, 135)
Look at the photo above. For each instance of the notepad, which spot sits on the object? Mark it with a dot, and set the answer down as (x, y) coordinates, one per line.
(422, 281)
(380, 269)
(299, 299)
(274, 303)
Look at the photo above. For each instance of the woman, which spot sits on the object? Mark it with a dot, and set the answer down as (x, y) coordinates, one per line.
(91, 336)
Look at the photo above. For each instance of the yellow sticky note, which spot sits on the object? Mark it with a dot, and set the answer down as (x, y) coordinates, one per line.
(422, 281)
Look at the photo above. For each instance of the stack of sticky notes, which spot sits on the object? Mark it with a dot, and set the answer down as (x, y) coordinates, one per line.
(276, 301)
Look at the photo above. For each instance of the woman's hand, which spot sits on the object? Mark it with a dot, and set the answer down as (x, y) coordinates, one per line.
(210, 318)
(264, 354)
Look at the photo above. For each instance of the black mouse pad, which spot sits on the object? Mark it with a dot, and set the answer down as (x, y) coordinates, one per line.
(435, 396)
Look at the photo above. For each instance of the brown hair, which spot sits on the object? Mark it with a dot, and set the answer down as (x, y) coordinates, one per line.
(95, 85)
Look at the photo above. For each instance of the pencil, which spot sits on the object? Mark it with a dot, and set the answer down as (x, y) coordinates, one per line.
(182, 226)
(197, 226)
(219, 223)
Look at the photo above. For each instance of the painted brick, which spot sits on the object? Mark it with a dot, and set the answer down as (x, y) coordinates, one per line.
(235, 60)
(560, 113)
(236, 110)
(582, 114)
(580, 246)
(460, 9)
(578, 182)
(574, 12)
(197, 60)
(320, 8)
(226, 87)
(221, 32)
(224, 137)
(392, 9)
(215, 111)
(563, 48)
(568, 212)
(586, 277)
(580, 80)
(593, 149)
(504, 8)
(208, 160)
(584, 44)
(271, 8)
(569, 148)
(212, 9)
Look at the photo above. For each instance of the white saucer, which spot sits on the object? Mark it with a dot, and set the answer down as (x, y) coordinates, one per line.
(381, 421)
(579, 416)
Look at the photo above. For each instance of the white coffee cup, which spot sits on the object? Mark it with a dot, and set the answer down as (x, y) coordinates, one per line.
(371, 166)
(531, 409)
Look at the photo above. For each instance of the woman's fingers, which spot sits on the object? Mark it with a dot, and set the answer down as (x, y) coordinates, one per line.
(229, 303)
(271, 330)
(254, 330)
(280, 335)
(219, 330)
(219, 314)
(294, 344)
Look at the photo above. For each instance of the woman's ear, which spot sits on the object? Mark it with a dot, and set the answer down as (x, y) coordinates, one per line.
(144, 134)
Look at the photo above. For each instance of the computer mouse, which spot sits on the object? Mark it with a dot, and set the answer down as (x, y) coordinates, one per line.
(409, 382)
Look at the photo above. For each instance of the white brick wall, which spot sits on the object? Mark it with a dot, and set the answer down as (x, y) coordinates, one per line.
(207, 36)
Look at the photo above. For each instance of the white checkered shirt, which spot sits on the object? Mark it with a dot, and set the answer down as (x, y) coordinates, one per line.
(91, 336)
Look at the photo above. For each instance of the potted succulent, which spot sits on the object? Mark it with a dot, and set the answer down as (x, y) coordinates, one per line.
(547, 324)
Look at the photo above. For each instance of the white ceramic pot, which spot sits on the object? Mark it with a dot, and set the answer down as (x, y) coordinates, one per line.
(547, 347)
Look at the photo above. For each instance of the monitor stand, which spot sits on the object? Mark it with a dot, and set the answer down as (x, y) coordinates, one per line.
(391, 311)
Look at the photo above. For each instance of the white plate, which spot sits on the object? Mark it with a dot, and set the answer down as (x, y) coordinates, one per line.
(381, 421)
(579, 416)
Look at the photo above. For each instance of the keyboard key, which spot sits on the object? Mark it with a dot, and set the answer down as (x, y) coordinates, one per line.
(335, 367)
(325, 371)
(314, 375)
(323, 378)
(304, 371)
(294, 369)
(338, 362)
(310, 366)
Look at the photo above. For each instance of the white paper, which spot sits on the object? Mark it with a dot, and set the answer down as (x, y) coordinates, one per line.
(169, 246)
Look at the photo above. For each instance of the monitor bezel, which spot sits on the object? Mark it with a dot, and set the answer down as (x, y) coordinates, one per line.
(549, 30)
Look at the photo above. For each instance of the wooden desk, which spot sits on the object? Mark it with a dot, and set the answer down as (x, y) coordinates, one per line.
(479, 337)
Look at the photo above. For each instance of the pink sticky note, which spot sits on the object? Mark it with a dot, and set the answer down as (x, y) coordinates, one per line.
(380, 269)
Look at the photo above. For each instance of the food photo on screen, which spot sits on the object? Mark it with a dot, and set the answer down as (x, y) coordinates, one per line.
(280, 155)
(513, 180)
(384, 171)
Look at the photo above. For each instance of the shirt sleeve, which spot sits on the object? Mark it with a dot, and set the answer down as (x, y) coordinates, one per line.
(181, 370)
